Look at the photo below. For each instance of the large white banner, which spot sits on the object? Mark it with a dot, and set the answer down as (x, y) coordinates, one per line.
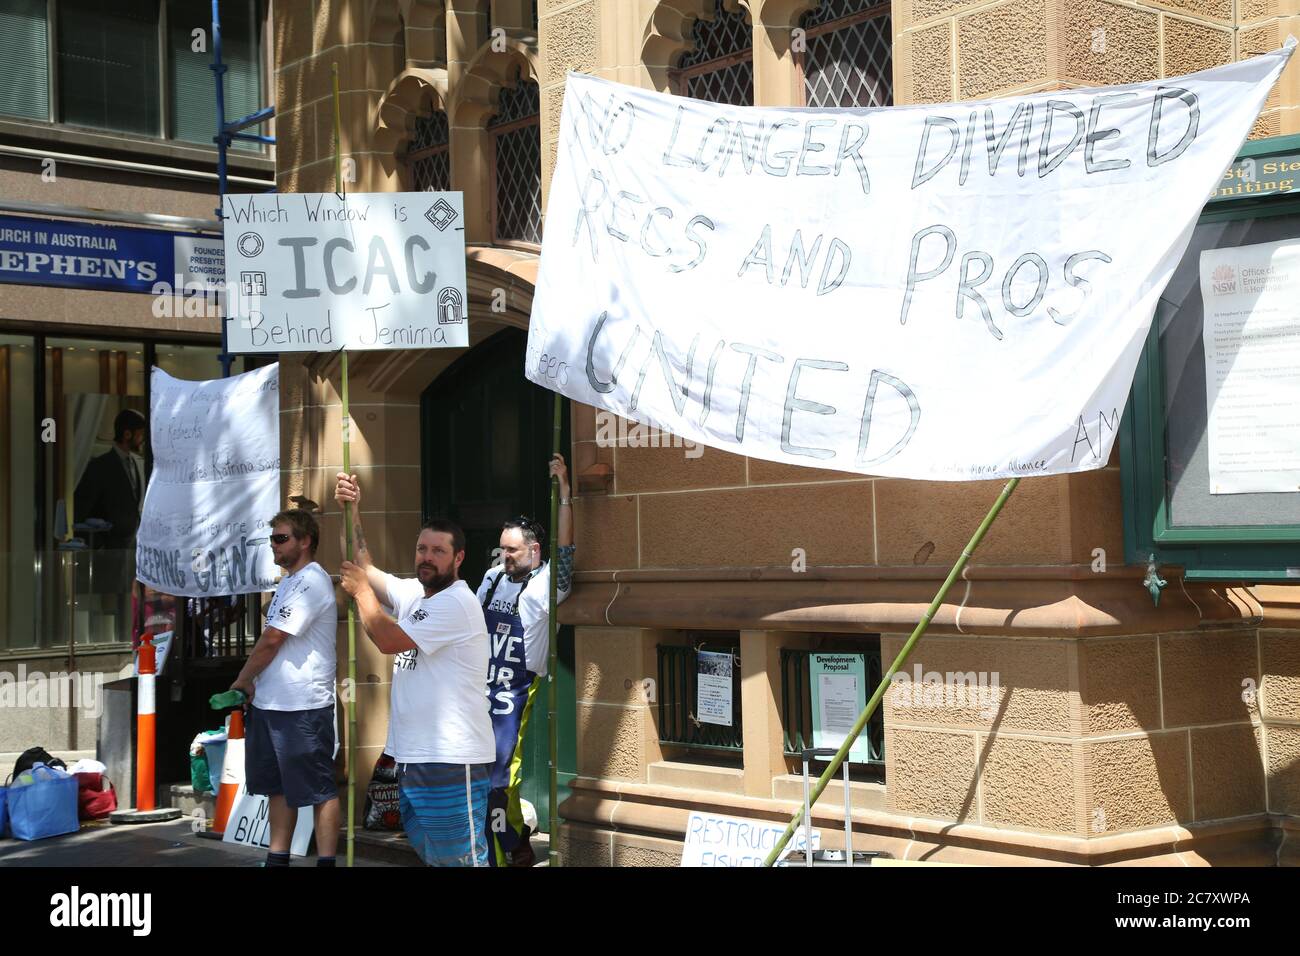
(318, 272)
(949, 292)
(214, 487)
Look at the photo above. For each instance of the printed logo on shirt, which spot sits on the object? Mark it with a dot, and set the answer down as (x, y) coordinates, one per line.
(405, 661)
(283, 613)
(503, 627)
(419, 614)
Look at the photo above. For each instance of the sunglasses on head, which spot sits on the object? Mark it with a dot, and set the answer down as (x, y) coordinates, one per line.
(523, 521)
(280, 538)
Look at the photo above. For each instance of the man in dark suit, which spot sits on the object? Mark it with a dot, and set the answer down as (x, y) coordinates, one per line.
(112, 489)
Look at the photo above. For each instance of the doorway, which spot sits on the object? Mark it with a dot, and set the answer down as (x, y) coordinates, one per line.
(486, 436)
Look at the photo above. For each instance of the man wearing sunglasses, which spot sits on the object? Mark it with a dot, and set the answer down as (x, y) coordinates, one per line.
(289, 682)
(439, 731)
(516, 599)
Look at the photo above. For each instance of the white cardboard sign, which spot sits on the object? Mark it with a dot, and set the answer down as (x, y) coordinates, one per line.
(721, 842)
(318, 272)
(250, 823)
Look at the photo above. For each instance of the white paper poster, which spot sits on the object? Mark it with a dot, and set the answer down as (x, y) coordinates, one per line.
(215, 485)
(318, 272)
(1252, 366)
(713, 689)
(953, 292)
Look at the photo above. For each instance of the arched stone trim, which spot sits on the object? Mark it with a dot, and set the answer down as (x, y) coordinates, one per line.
(667, 36)
(414, 93)
(473, 102)
(488, 72)
(780, 18)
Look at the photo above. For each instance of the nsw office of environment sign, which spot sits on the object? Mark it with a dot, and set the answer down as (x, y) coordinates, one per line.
(318, 272)
(78, 255)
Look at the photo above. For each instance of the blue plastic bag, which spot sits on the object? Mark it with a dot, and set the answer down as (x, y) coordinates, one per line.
(42, 803)
(4, 813)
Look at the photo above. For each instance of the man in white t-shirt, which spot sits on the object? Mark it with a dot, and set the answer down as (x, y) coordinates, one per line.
(289, 681)
(439, 730)
(516, 599)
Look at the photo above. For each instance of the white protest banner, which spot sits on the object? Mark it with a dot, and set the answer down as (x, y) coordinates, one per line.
(717, 841)
(214, 487)
(1252, 366)
(250, 823)
(949, 292)
(318, 272)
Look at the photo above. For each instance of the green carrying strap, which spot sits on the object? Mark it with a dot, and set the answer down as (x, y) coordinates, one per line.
(227, 699)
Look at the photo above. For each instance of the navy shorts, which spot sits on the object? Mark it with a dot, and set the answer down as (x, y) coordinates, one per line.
(291, 753)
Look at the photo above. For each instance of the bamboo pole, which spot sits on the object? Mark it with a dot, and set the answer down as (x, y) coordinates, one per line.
(842, 754)
(553, 854)
(350, 697)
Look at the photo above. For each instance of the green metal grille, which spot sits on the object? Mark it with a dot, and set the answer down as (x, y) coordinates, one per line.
(676, 697)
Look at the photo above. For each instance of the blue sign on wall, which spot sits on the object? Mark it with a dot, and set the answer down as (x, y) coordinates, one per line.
(79, 255)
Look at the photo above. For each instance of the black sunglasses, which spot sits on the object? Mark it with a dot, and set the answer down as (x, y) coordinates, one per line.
(523, 521)
(280, 538)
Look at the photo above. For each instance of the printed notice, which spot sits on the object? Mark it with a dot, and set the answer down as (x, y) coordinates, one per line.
(839, 692)
(1252, 366)
(713, 688)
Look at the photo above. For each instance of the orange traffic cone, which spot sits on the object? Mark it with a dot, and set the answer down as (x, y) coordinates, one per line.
(232, 771)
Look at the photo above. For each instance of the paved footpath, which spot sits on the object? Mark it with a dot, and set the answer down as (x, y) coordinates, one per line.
(145, 844)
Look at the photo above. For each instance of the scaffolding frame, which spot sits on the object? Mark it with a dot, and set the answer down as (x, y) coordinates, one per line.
(227, 133)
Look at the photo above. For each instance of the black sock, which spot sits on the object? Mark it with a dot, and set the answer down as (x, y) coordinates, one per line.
(325, 861)
(277, 859)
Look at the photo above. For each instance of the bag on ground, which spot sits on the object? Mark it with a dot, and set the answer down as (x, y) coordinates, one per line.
(382, 807)
(43, 803)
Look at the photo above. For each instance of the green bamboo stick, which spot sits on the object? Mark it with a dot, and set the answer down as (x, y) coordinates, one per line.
(347, 526)
(553, 854)
(899, 661)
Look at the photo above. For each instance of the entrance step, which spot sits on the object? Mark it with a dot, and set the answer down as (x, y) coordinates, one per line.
(693, 776)
(864, 795)
(183, 798)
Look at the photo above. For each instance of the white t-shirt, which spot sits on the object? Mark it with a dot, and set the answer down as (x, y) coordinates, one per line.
(302, 674)
(533, 608)
(439, 713)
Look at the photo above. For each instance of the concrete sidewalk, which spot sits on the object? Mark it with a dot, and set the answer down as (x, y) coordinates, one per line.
(149, 844)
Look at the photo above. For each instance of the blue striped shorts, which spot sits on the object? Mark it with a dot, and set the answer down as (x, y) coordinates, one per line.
(444, 811)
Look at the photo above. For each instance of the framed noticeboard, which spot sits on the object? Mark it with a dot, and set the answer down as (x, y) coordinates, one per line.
(1210, 446)
(839, 695)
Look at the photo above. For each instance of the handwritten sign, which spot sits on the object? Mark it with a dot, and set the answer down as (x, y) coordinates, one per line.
(948, 292)
(250, 823)
(215, 485)
(318, 272)
(721, 842)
